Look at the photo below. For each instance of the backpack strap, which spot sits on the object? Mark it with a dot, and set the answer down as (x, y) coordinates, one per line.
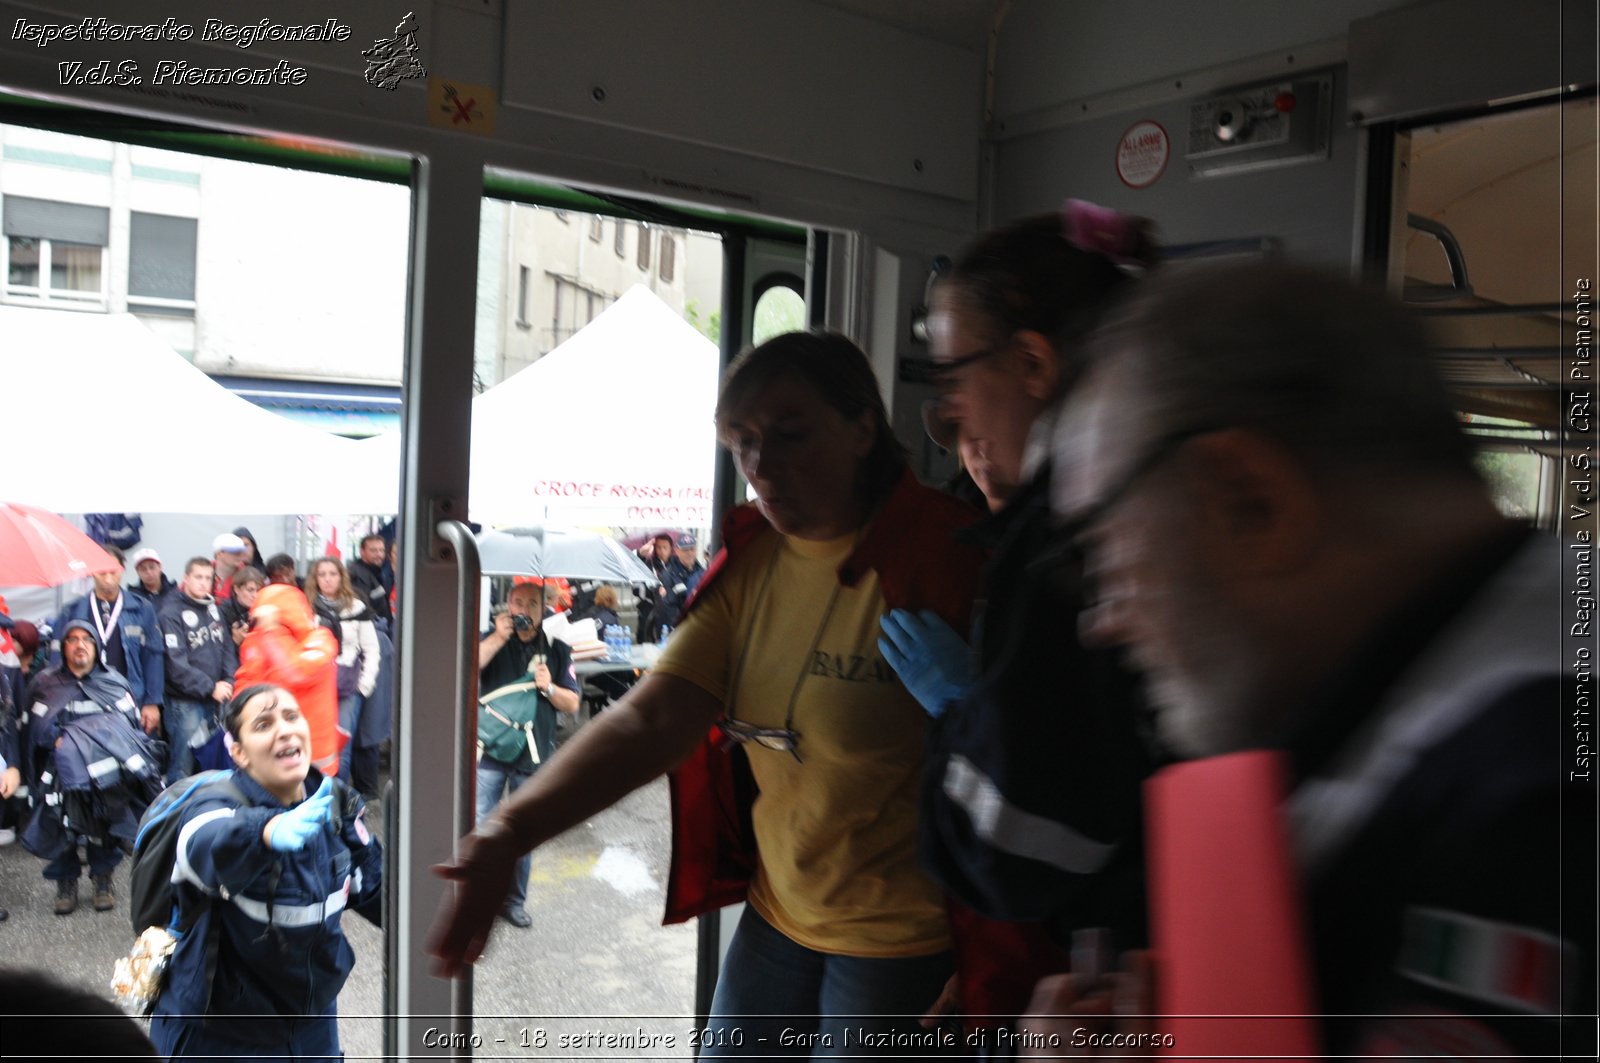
(221, 786)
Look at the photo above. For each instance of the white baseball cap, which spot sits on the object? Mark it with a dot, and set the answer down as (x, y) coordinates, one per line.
(141, 555)
(230, 543)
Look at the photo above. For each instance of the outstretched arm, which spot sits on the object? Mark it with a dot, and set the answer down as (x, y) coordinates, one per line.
(651, 730)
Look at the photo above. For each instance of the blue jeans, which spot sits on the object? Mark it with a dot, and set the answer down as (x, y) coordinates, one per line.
(184, 721)
(494, 781)
(358, 764)
(770, 985)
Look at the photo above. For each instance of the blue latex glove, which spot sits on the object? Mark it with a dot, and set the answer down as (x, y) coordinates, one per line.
(290, 831)
(930, 658)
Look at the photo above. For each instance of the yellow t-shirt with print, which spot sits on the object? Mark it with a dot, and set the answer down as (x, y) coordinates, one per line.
(837, 829)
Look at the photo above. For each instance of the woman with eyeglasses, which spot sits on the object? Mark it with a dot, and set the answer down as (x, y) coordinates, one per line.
(797, 752)
(1031, 801)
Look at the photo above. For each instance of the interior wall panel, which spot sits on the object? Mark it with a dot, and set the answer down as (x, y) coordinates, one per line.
(1309, 208)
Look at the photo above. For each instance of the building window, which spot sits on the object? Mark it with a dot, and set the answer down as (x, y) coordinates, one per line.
(576, 305)
(619, 242)
(161, 260)
(560, 323)
(524, 293)
(644, 247)
(667, 263)
(594, 227)
(56, 252)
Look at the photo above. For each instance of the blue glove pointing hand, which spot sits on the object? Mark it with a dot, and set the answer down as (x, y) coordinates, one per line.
(930, 658)
(290, 831)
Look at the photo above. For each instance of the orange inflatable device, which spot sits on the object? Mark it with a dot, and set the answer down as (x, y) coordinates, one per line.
(286, 647)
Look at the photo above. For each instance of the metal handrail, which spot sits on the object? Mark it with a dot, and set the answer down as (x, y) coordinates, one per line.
(1459, 287)
(463, 546)
(469, 574)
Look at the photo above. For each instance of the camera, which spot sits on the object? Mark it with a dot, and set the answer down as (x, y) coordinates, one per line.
(522, 623)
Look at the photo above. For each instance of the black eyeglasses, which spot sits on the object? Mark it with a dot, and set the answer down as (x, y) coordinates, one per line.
(943, 374)
(781, 739)
(1164, 448)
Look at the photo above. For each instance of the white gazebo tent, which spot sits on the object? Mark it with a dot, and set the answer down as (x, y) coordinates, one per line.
(118, 421)
(611, 428)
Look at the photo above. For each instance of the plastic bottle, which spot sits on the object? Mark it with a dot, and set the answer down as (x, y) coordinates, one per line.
(661, 636)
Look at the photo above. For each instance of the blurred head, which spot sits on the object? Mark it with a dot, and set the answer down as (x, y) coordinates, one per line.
(79, 648)
(328, 578)
(526, 599)
(687, 550)
(149, 572)
(372, 550)
(108, 585)
(48, 1018)
(228, 552)
(1259, 460)
(198, 575)
(663, 546)
(247, 583)
(281, 569)
(269, 739)
(606, 598)
(805, 421)
(1006, 326)
(285, 605)
(26, 635)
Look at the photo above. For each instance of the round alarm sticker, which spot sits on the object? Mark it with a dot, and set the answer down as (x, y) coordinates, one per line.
(1142, 154)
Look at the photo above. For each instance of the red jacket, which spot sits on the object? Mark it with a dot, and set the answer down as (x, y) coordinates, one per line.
(286, 647)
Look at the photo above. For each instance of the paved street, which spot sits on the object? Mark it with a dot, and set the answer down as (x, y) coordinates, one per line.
(595, 962)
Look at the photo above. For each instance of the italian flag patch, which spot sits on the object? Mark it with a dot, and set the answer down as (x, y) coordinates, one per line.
(1514, 967)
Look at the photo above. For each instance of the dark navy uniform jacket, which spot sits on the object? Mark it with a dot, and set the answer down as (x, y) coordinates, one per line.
(280, 954)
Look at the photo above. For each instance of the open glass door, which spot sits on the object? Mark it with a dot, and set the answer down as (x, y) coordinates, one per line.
(201, 333)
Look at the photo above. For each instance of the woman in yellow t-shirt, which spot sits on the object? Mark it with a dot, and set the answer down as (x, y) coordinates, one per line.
(844, 938)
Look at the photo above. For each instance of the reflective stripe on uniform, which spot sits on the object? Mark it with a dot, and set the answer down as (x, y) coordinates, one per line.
(295, 915)
(1016, 831)
(182, 870)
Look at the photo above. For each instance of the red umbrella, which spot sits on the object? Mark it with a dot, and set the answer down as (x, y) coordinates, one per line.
(39, 549)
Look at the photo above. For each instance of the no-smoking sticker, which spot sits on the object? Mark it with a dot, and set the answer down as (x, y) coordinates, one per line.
(1142, 154)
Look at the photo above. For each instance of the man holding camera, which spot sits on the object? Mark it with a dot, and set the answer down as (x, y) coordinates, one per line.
(516, 653)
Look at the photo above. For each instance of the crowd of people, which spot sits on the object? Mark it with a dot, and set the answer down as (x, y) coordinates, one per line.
(146, 671)
(237, 664)
(1219, 509)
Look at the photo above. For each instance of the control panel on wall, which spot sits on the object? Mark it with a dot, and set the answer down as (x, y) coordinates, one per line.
(1276, 124)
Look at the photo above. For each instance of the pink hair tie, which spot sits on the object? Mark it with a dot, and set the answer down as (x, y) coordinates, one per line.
(1101, 231)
